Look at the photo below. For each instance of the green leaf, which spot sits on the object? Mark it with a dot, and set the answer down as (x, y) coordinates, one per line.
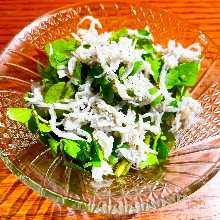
(58, 59)
(87, 128)
(124, 145)
(147, 139)
(44, 138)
(98, 150)
(54, 93)
(43, 127)
(84, 154)
(43, 112)
(148, 48)
(88, 164)
(144, 44)
(152, 90)
(61, 45)
(151, 161)
(84, 72)
(170, 138)
(49, 73)
(157, 100)
(167, 120)
(32, 125)
(162, 149)
(130, 92)
(172, 78)
(86, 46)
(185, 74)
(107, 91)
(58, 51)
(143, 32)
(96, 163)
(53, 146)
(71, 147)
(136, 67)
(116, 143)
(174, 103)
(77, 73)
(118, 34)
(46, 84)
(96, 70)
(27, 95)
(121, 72)
(68, 93)
(113, 159)
(155, 66)
(19, 114)
(189, 73)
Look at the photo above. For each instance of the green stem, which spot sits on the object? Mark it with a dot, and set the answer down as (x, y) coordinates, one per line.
(122, 168)
(135, 42)
(155, 142)
(38, 116)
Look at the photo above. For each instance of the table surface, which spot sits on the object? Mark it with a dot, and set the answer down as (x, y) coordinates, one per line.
(19, 202)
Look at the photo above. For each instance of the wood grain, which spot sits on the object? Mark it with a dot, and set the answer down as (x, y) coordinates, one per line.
(19, 202)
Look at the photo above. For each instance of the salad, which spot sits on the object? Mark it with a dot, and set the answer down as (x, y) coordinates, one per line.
(111, 102)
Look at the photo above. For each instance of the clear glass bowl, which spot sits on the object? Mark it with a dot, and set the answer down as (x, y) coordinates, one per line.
(189, 166)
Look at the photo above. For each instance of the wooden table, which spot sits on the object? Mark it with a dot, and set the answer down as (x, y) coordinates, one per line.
(19, 202)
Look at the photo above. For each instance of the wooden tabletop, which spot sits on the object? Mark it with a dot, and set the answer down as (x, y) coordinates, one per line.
(19, 202)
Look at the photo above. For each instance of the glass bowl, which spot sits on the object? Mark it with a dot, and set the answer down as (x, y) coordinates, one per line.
(189, 166)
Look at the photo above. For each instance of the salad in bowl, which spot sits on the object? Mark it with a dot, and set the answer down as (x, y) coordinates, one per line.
(112, 101)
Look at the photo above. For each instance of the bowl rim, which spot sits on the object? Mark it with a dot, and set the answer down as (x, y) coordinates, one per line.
(33, 184)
